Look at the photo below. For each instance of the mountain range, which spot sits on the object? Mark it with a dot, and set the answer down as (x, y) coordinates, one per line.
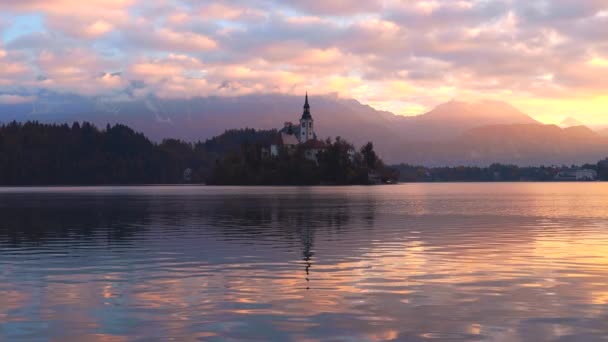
(453, 133)
(570, 122)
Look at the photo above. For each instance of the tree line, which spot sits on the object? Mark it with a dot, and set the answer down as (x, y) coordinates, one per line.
(338, 164)
(493, 173)
(34, 153)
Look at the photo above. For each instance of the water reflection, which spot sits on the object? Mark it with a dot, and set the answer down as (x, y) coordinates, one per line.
(412, 262)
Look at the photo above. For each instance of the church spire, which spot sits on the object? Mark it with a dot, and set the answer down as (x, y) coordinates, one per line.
(306, 114)
(307, 131)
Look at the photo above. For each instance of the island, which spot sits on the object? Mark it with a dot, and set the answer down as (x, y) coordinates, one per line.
(35, 153)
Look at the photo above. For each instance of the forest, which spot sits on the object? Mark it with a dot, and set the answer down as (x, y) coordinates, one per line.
(338, 164)
(34, 153)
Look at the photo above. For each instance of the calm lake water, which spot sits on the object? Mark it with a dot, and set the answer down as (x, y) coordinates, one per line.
(498, 262)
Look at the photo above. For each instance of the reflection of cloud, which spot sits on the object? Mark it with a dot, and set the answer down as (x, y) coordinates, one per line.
(401, 262)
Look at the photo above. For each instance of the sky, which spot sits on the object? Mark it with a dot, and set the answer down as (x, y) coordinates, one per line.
(549, 58)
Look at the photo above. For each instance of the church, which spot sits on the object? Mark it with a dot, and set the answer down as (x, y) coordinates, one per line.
(302, 135)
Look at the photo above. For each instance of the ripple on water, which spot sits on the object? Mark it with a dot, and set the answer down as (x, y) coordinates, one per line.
(410, 262)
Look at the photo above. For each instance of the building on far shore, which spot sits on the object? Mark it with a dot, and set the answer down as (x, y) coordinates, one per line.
(574, 174)
(302, 135)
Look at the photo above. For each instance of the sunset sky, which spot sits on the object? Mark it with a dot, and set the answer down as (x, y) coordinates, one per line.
(549, 58)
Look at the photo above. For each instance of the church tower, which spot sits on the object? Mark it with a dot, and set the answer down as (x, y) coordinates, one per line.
(307, 130)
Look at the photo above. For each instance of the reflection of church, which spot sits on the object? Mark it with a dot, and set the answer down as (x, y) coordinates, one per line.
(302, 135)
(307, 239)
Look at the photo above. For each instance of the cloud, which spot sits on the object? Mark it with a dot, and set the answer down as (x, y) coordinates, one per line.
(13, 69)
(224, 11)
(391, 53)
(83, 28)
(67, 7)
(75, 70)
(84, 19)
(167, 39)
(15, 99)
(336, 7)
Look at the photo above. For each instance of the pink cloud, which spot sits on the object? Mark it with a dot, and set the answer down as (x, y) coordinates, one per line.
(167, 39)
(224, 11)
(16, 99)
(338, 7)
(82, 27)
(86, 19)
(10, 69)
(66, 7)
(385, 50)
(76, 70)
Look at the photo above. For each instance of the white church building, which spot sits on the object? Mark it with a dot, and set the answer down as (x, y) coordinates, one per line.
(303, 135)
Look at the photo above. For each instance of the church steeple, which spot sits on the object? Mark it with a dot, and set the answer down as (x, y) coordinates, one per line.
(306, 114)
(307, 130)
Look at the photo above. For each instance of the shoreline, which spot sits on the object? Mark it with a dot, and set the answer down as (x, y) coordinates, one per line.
(272, 185)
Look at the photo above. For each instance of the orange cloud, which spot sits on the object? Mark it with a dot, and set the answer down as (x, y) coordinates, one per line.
(155, 70)
(185, 40)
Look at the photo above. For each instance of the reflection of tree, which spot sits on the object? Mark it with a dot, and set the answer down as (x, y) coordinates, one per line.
(285, 215)
(293, 217)
(296, 217)
(39, 219)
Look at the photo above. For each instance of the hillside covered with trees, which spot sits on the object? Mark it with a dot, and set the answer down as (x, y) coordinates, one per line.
(33, 153)
(48, 154)
(338, 164)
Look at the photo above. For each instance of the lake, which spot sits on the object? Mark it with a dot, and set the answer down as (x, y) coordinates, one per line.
(493, 261)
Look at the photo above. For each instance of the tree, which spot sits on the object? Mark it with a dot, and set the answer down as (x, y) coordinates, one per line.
(369, 156)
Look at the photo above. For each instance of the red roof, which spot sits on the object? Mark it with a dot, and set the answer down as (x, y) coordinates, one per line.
(289, 139)
(314, 144)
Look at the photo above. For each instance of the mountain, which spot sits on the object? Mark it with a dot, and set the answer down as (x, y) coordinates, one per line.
(453, 118)
(453, 133)
(570, 122)
(202, 118)
(602, 131)
(521, 144)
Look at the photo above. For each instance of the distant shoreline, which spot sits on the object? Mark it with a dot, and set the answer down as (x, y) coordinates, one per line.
(37, 154)
(50, 186)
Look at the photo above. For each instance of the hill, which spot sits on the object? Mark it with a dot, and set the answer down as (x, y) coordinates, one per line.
(453, 133)
(202, 118)
(453, 118)
(50, 154)
(522, 144)
(570, 122)
(602, 131)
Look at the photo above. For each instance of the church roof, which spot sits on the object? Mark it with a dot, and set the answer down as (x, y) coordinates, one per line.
(289, 139)
(306, 113)
(314, 144)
